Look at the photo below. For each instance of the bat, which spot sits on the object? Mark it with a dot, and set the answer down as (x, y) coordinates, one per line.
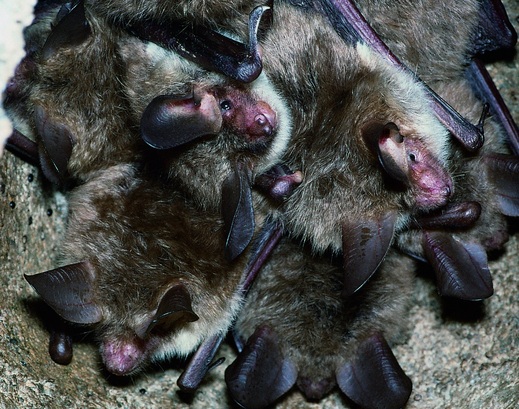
(382, 151)
(142, 266)
(66, 98)
(212, 135)
(300, 331)
(337, 206)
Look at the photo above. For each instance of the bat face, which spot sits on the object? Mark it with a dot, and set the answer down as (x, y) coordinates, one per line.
(151, 277)
(246, 123)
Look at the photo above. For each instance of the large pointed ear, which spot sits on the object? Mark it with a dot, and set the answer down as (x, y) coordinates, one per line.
(174, 305)
(70, 292)
(364, 247)
(260, 374)
(170, 121)
(461, 268)
(237, 210)
(55, 148)
(72, 29)
(375, 380)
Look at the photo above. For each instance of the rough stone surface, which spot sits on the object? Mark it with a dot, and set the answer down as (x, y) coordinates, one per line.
(459, 355)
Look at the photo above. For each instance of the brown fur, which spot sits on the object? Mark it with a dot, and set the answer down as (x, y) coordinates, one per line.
(80, 87)
(141, 237)
(298, 296)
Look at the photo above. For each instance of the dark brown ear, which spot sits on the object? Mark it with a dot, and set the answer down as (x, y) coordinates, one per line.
(365, 245)
(375, 380)
(461, 268)
(70, 292)
(170, 121)
(260, 374)
(55, 148)
(237, 210)
(174, 305)
(72, 29)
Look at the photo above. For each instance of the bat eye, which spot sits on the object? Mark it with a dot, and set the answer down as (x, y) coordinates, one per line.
(225, 105)
(412, 157)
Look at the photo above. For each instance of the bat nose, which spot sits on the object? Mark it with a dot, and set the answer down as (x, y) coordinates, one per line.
(264, 122)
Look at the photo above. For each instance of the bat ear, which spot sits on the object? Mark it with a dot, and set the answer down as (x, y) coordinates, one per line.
(494, 30)
(375, 380)
(174, 305)
(170, 121)
(72, 29)
(504, 171)
(237, 211)
(55, 147)
(260, 374)
(388, 144)
(364, 247)
(69, 291)
(461, 268)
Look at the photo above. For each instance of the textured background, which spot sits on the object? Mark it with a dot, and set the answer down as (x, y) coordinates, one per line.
(459, 355)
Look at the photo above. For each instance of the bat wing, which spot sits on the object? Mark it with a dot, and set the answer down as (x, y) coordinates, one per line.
(207, 48)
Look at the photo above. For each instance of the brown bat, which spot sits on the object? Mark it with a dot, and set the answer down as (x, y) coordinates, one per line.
(299, 330)
(66, 95)
(144, 267)
(370, 162)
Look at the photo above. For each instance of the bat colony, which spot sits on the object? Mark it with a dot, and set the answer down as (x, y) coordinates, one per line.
(272, 169)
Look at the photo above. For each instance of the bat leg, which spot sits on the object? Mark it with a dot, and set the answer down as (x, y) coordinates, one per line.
(260, 374)
(454, 215)
(461, 268)
(364, 247)
(237, 210)
(207, 48)
(504, 171)
(72, 29)
(375, 380)
(353, 27)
